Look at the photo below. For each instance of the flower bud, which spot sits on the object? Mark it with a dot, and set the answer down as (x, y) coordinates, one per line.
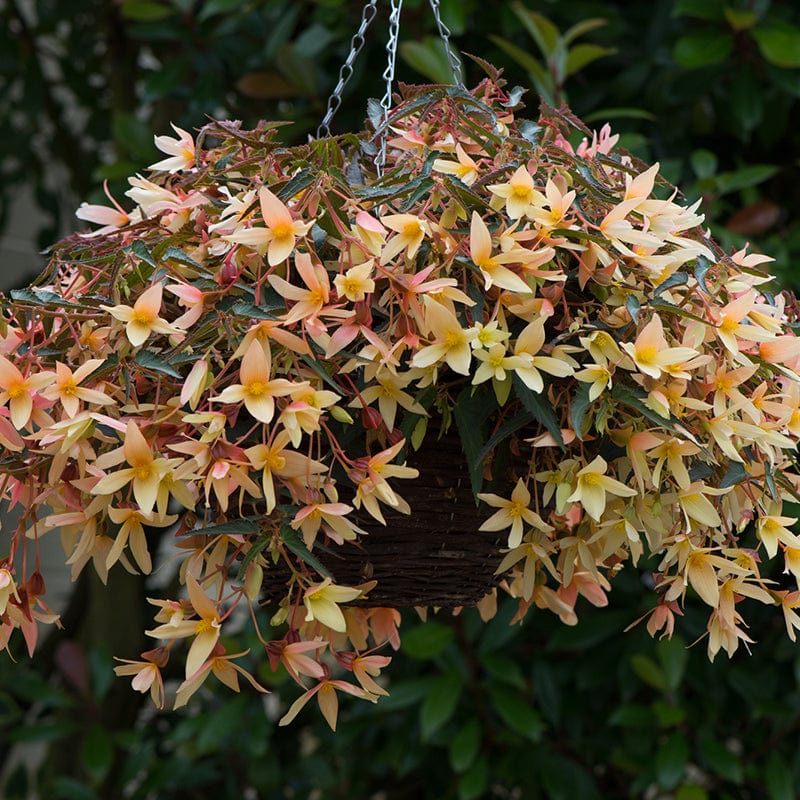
(340, 415)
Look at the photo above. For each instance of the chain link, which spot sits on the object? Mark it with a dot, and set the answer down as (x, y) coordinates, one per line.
(346, 72)
(388, 77)
(444, 33)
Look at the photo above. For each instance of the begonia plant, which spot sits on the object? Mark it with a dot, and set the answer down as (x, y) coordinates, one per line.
(241, 362)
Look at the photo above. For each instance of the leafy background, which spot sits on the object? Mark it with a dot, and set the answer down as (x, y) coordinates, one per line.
(707, 87)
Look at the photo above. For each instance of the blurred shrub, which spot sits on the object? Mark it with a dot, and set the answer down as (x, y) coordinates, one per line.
(476, 711)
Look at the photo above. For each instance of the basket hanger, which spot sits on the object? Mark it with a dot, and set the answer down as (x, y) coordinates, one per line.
(368, 13)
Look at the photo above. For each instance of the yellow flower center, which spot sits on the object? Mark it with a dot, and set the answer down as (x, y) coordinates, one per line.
(69, 388)
(256, 388)
(728, 325)
(496, 361)
(16, 390)
(276, 461)
(142, 317)
(520, 190)
(591, 479)
(142, 472)
(283, 230)
(452, 339)
(203, 626)
(646, 355)
(411, 228)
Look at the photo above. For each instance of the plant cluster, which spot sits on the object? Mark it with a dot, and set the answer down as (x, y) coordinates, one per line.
(245, 357)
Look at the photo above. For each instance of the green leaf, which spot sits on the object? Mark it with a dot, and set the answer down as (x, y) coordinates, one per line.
(779, 778)
(149, 360)
(470, 411)
(429, 58)
(515, 711)
(39, 297)
(632, 715)
(538, 73)
(582, 55)
(744, 177)
(691, 791)
(702, 48)
(315, 365)
(504, 669)
(143, 11)
(649, 671)
(428, 640)
(671, 760)
(676, 279)
(626, 396)
(472, 784)
(464, 745)
(440, 703)
(544, 33)
(176, 254)
(234, 527)
(577, 410)
(72, 789)
(299, 182)
(539, 407)
(704, 163)
(634, 307)
(736, 474)
(719, 759)
(713, 10)
(290, 538)
(140, 250)
(251, 311)
(581, 28)
(702, 265)
(97, 753)
(673, 656)
(547, 690)
(779, 44)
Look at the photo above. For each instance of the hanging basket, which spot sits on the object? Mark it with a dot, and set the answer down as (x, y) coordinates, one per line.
(435, 556)
(314, 365)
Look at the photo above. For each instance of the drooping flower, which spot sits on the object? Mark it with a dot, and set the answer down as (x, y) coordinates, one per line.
(512, 513)
(257, 390)
(592, 486)
(142, 320)
(279, 237)
(181, 151)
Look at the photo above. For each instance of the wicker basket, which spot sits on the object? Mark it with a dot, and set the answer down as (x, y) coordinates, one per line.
(435, 556)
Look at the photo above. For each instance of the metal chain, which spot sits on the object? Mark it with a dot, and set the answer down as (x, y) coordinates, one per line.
(444, 32)
(346, 72)
(388, 76)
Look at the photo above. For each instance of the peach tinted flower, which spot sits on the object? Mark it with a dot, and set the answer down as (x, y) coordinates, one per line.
(142, 320)
(256, 390)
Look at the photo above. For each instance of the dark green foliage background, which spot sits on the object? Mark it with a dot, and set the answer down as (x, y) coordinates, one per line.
(710, 89)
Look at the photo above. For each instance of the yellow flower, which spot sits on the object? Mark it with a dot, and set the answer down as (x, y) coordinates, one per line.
(771, 530)
(592, 486)
(356, 283)
(69, 392)
(145, 472)
(465, 169)
(321, 601)
(205, 630)
(512, 513)
(142, 319)
(256, 389)
(410, 231)
(449, 341)
(18, 391)
(519, 193)
(279, 237)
